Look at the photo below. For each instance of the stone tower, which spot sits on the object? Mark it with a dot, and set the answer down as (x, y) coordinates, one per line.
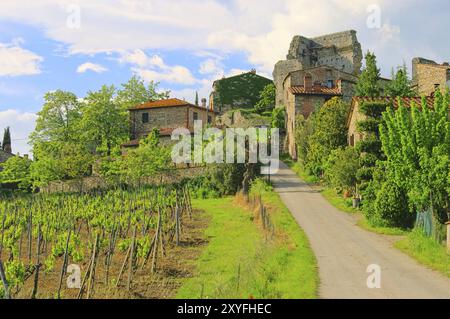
(341, 51)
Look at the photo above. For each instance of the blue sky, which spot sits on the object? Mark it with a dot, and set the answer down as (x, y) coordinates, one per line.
(79, 45)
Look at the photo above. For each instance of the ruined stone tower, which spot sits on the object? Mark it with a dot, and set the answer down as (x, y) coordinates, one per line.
(341, 51)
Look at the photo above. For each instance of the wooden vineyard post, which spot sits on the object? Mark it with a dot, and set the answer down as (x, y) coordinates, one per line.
(37, 266)
(4, 281)
(131, 264)
(90, 267)
(30, 226)
(177, 224)
(64, 265)
(3, 231)
(123, 267)
(91, 280)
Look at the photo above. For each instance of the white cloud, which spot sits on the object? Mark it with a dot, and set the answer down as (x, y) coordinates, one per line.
(88, 66)
(153, 68)
(262, 29)
(211, 66)
(21, 125)
(16, 61)
(177, 74)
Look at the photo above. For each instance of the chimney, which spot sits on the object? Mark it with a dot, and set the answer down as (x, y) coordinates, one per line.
(204, 103)
(308, 82)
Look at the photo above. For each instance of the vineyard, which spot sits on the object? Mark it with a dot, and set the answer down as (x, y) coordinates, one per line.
(87, 245)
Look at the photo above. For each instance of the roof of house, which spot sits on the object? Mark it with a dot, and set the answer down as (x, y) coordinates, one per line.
(445, 66)
(315, 90)
(161, 103)
(166, 103)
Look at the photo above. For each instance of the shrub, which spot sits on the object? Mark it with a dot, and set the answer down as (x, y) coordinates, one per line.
(369, 125)
(341, 168)
(391, 207)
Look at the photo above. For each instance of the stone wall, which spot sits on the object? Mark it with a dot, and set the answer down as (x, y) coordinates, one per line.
(166, 118)
(4, 156)
(341, 51)
(427, 75)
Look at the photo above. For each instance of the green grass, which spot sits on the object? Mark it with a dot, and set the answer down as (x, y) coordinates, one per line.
(393, 231)
(341, 203)
(238, 262)
(427, 251)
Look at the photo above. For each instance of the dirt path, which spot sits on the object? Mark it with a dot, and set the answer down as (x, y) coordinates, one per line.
(344, 251)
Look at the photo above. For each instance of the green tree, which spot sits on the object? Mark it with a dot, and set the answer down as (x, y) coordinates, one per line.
(417, 147)
(279, 118)
(59, 161)
(196, 98)
(104, 123)
(400, 86)
(6, 138)
(368, 82)
(59, 119)
(303, 131)
(16, 170)
(330, 132)
(148, 159)
(369, 147)
(135, 92)
(341, 167)
(267, 99)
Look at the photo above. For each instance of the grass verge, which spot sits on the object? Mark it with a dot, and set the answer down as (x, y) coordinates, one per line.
(427, 251)
(243, 261)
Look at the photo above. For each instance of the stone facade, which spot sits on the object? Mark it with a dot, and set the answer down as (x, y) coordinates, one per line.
(340, 51)
(429, 75)
(4, 156)
(239, 91)
(315, 70)
(165, 115)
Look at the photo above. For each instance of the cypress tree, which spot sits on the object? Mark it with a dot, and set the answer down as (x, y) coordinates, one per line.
(196, 98)
(368, 83)
(6, 138)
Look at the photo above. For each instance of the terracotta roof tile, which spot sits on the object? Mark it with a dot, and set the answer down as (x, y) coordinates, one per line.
(161, 103)
(319, 90)
(407, 101)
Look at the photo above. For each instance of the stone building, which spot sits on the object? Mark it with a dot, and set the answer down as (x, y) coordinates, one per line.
(340, 51)
(429, 75)
(236, 92)
(315, 70)
(4, 156)
(305, 90)
(166, 115)
(355, 116)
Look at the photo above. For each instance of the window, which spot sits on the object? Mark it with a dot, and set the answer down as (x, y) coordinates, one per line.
(145, 118)
(195, 115)
(209, 119)
(330, 84)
